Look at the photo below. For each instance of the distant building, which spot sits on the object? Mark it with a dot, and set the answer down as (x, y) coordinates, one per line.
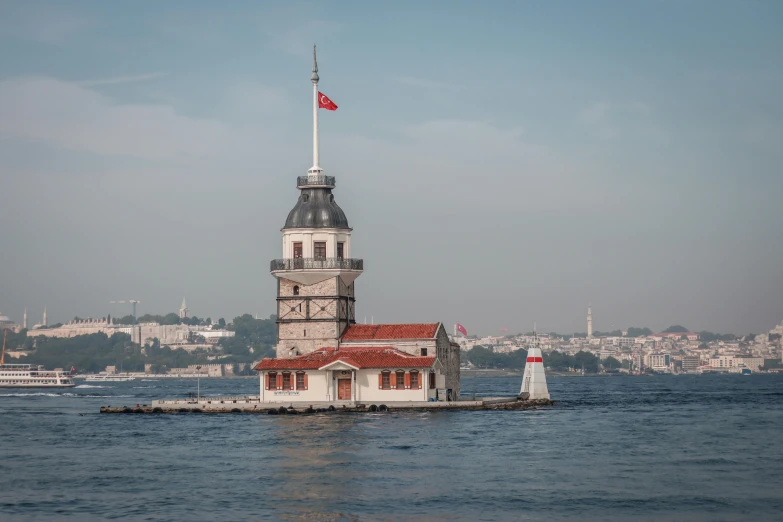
(7, 323)
(749, 361)
(658, 361)
(81, 327)
(722, 362)
(214, 336)
(691, 363)
(691, 336)
(144, 333)
(736, 362)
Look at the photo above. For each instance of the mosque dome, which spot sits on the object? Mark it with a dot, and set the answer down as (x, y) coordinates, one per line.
(316, 208)
(4, 319)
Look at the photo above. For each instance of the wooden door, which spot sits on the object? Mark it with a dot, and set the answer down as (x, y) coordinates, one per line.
(343, 389)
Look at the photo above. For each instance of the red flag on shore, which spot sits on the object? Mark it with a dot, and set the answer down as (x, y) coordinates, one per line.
(461, 329)
(325, 103)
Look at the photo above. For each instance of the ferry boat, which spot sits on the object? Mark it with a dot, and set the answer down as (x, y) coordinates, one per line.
(110, 377)
(31, 376)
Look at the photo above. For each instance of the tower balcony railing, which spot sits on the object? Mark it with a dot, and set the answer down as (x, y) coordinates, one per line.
(316, 263)
(315, 181)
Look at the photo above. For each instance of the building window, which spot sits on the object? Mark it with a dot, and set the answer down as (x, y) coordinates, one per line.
(400, 380)
(319, 250)
(386, 380)
(271, 381)
(305, 333)
(340, 247)
(286, 381)
(297, 250)
(296, 290)
(424, 352)
(432, 380)
(301, 381)
(414, 380)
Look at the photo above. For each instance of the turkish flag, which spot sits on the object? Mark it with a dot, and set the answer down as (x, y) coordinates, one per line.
(325, 103)
(461, 329)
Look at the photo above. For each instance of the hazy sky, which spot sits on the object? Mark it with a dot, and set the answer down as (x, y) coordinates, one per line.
(501, 163)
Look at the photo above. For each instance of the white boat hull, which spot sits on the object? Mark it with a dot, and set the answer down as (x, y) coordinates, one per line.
(6, 386)
(29, 376)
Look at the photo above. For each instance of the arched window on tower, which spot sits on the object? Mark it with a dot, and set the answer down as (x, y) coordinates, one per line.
(296, 289)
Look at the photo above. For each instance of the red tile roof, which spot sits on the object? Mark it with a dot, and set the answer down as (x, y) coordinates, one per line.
(358, 356)
(366, 332)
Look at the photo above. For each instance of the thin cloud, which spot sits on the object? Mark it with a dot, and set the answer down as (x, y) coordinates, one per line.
(72, 117)
(54, 25)
(427, 84)
(602, 111)
(117, 80)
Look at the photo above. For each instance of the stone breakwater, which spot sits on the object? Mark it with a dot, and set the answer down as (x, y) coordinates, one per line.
(251, 404)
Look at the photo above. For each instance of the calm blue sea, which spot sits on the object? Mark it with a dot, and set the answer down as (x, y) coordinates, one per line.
(614, 448)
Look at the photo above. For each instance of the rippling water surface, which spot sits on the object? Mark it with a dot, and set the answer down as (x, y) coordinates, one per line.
(620, 448)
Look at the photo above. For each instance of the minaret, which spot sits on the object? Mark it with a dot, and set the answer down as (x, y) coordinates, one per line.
(24, 319)
(589, 321)
(44, 323)
(183, 310)
(315, 170)
(316, 274)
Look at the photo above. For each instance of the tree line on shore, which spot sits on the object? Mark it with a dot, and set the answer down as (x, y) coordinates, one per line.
(482, 357)
(634, 331)
(253, 339)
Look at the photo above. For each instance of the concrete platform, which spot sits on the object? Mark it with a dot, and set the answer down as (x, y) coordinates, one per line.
(252, 404)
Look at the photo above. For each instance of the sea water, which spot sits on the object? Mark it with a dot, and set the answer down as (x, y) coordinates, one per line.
(614, 448)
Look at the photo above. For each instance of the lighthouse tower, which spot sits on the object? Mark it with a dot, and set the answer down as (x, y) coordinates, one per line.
(316, 274)
(534, 378)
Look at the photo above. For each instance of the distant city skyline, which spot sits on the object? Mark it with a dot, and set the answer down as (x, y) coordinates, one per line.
(501, 332)
(501, 164)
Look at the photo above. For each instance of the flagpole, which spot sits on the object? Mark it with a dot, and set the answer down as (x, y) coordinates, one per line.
(316, 169)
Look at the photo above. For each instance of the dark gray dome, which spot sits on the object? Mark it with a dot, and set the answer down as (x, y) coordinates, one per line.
(316, 208)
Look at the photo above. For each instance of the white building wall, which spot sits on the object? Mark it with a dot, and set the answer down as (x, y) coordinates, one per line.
(308, 236)
(369, 392)
(317, 389)
(322, 387)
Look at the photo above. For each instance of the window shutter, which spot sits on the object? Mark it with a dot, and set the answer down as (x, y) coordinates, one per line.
(279, 383)
(380, 381)
(305, 381)
(267, 381)
(292, 378)
(407, 380)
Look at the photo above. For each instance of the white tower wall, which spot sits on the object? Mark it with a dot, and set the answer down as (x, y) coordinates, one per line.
(534, 379)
